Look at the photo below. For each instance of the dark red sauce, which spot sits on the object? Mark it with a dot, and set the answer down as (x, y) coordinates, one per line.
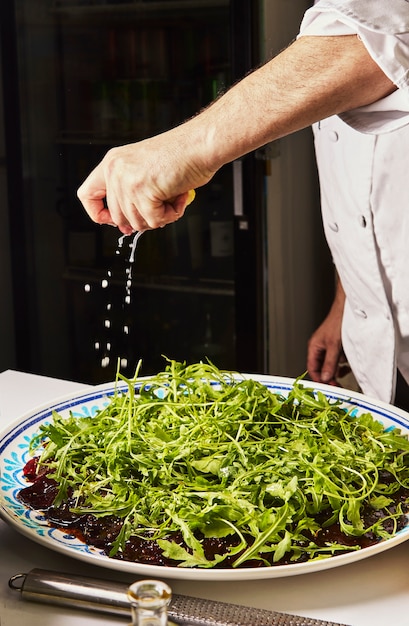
(102, 532)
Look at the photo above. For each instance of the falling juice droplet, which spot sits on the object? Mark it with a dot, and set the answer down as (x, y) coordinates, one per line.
(129, 269)
(121, 242)
(105, 361)
(133, 245)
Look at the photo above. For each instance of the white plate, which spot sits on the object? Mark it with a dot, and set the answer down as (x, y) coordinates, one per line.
(14, 454)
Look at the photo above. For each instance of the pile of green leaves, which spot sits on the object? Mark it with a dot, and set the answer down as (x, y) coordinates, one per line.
(206, 453)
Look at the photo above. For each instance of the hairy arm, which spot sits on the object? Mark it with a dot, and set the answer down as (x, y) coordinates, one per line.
(146, 183)
(312, 79)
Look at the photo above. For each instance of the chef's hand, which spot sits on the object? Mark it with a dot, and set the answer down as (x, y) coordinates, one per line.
(143, 185)
(325, 358)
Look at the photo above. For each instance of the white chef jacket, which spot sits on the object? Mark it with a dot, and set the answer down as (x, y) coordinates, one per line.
(363, 165)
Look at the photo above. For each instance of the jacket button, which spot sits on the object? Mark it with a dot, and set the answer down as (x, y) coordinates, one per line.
(361, 313)
(333, 135)
(362, 221)
(333, 226)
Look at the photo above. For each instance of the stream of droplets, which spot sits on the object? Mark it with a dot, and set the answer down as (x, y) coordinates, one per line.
(104, 346)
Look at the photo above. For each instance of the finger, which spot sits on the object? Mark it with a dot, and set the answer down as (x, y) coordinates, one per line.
(330, 366)
(92, 194)
(158, 213)
(97, 211)
(176, 207)
(115, 204)
(315, 360)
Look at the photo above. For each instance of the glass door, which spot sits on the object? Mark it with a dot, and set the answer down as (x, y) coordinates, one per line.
(127, 71)
(89, 75)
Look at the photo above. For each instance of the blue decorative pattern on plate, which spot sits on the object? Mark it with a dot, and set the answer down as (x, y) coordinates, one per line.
(14, 444)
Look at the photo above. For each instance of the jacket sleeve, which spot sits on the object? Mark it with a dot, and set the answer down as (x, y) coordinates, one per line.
(383, 27)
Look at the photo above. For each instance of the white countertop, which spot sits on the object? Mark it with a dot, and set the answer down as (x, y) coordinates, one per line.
(371, 592)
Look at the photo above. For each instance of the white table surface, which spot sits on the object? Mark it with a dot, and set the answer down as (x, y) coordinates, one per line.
(371, 592)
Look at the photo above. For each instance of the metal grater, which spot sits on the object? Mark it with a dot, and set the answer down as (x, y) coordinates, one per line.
(198, 612)
(106, 596)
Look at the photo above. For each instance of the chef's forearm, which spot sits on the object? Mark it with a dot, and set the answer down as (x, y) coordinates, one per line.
(145, 184)
(312, 79)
